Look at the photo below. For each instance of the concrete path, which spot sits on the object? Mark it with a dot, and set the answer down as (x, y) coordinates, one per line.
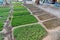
(7, 29)
(24, 25)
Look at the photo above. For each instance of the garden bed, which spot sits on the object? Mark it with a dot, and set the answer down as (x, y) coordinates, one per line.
(19, 8)
(31, 32)
(3, 19)
(1, 36)
(4, 12)
(22, 16)
(51, 24)
(4, 9)
(46, 16)
(39, 12)
(21, 20)
(20, 13)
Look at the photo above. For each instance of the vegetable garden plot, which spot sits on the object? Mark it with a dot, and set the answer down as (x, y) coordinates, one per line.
(2, 20)
(51, 24)
(19, 8)
(4, 9)
(3, 17)
(46, 16)
(4, 12)
(20, 13)
(22, 16)
(40, 12)
(21, 20)
(1, 26)
(31, 32)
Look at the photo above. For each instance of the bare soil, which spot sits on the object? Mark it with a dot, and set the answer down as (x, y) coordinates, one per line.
(29, 5)
(46, 16)
(51, 24)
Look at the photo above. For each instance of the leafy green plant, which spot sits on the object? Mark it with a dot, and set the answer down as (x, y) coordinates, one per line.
(20, 7)
(2, 20)
(3, 17)
(21, 20)
(4, 10)
(4, 14)
(20, 13)
(1, 26)
(31, 32)
(1, 36)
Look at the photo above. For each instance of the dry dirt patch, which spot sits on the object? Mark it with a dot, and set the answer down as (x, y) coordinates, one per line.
(28, 5)
(46, 16)
(40, 12)
(52, 23)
